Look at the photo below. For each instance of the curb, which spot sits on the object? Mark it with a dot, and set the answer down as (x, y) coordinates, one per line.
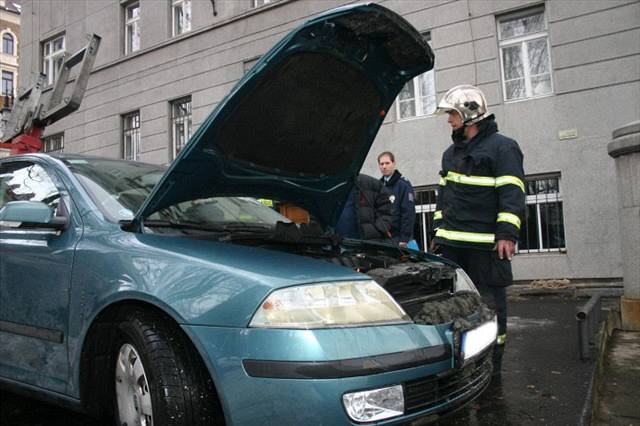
(573, 290)
(591, 409)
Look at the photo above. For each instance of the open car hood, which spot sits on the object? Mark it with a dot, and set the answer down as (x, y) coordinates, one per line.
(300, 123)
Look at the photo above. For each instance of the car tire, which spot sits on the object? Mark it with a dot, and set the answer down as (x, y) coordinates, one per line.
(160, 379)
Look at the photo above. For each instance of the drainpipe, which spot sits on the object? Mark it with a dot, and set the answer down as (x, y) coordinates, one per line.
(625, 150)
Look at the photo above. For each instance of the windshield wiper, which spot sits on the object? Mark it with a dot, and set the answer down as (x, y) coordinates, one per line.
(249, 227)
(226, 227)
(182, 225)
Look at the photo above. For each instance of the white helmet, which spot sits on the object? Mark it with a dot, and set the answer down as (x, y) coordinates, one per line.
(468, 100)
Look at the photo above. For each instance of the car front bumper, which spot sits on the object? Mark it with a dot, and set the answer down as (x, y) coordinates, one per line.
(293, 377)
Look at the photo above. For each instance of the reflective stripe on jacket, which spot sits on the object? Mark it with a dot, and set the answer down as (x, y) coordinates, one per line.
(481, 193)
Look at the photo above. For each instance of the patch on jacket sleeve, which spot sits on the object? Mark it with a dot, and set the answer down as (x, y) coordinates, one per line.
(392, 198)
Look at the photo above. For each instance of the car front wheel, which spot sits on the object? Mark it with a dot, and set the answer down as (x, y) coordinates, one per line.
(160, 379)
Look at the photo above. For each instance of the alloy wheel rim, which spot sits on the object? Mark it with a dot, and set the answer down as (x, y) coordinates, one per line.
(132, 389)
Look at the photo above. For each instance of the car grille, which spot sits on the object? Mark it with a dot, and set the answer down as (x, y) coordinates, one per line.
(447, 391)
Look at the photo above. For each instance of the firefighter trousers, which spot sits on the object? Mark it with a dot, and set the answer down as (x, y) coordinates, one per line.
(490, 275)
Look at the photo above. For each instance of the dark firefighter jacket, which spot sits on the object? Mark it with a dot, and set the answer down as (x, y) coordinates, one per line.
(481, 193)
(368, 211)
(404, 213)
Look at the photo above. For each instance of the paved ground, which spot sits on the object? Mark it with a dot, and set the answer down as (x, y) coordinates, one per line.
(619, 393)
(543, 382)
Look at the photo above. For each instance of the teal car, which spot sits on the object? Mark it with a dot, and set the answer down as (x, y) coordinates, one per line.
(173, 297)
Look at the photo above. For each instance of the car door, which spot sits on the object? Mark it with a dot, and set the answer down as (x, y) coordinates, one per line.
(35, 275)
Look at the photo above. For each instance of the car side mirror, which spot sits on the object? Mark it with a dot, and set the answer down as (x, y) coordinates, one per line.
(30, 213)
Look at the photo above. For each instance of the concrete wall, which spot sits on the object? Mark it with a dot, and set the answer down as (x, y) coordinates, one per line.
(595, 56)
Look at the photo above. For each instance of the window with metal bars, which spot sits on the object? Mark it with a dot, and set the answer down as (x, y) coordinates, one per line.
(180, 123)
(425, 206)
(543, 228)
(53, 143)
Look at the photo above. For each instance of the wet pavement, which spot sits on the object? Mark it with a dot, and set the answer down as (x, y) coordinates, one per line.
(543, 381)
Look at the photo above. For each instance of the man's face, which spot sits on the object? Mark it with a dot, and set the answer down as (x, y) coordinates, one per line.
(386, 165)
(454, 119)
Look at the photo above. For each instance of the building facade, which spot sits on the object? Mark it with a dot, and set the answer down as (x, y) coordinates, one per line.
(9, 58)
(560, 76)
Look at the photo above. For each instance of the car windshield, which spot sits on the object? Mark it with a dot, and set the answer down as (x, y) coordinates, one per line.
(120, 187)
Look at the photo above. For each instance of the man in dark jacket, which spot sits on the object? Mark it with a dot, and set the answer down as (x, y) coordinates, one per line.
(404, 213)
(481, 199)
(367, 212)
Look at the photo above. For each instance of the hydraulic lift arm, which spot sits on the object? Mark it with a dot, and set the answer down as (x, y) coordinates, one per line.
(29, 116)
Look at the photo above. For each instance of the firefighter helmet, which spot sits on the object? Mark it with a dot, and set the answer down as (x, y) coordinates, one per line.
(467, 100)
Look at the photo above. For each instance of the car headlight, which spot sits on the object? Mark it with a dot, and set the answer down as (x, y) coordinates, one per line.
(478, 339)
(463, 282)
(335, 304)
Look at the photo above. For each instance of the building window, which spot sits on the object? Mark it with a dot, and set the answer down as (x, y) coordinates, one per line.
(131, 135)
(53, 143)
(52, 58)
(543, 229)
(249, 63)
(425, 206)
(181, 16)
(180, 123)
(524, 56)
(541, 232)
(7, 83)
(258, 3)
(7, 44)
(132, 28)
(418, 96)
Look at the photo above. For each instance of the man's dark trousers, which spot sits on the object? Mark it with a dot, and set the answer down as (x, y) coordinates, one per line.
(491, 277)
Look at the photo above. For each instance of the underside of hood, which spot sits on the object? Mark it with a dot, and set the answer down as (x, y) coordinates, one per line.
(299, 125)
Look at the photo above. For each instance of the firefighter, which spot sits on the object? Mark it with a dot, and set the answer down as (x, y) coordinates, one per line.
(481, 200)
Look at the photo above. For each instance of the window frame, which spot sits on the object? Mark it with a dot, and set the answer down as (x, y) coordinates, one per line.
(12, 83)
(8, 40)
(50, 56)
(424, 213)
(538, 200)
(260, 3)
(523, 41)
(52, 138)
(129, 24)
(248, 64)
(134, 133)
(175, 4)
(176, 119)
(417, 99)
